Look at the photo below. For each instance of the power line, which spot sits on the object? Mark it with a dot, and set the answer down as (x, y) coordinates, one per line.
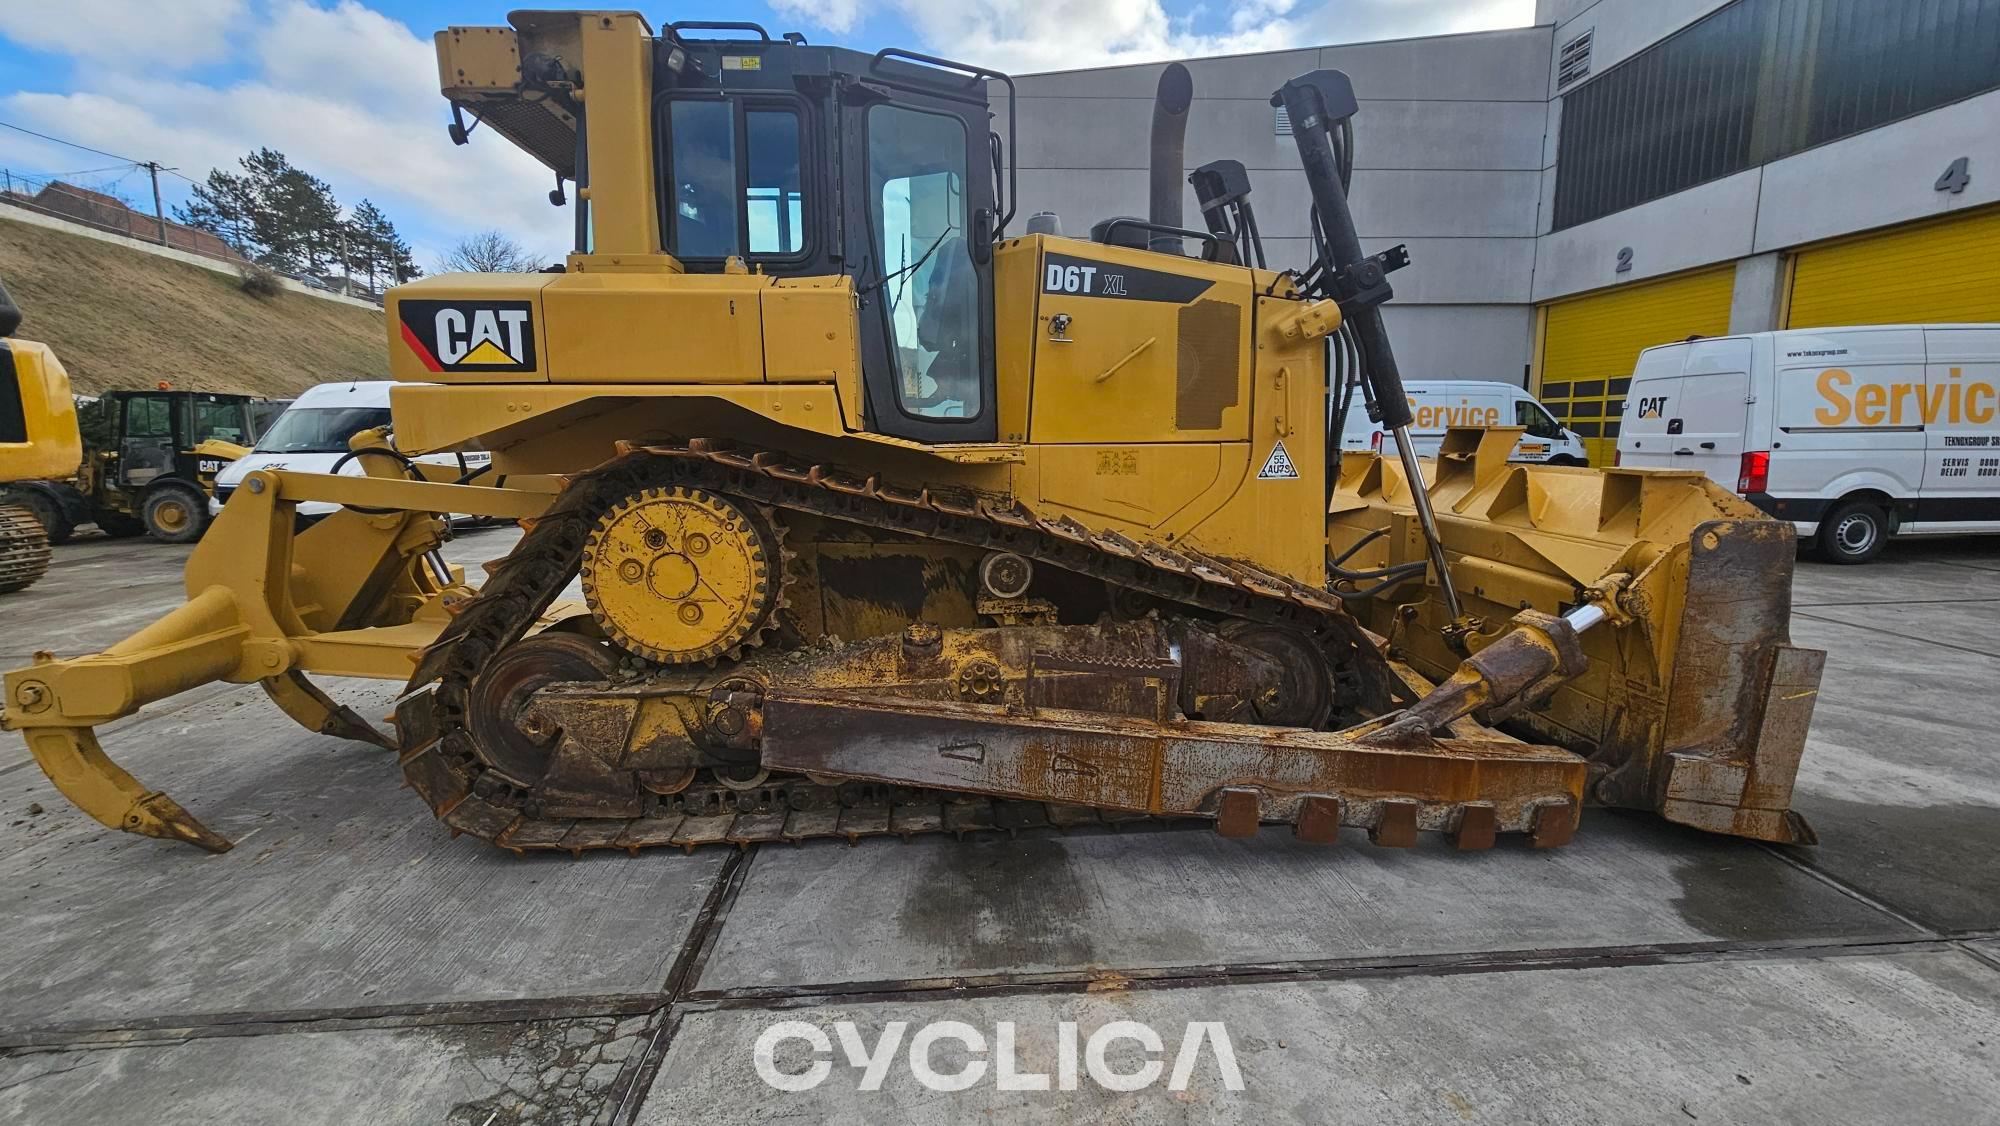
(71, 144)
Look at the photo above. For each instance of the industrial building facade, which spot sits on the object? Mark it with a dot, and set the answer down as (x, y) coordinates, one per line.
(1622, 174)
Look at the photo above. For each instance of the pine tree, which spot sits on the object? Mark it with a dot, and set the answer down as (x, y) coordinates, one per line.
(376, 250)
(271, 212)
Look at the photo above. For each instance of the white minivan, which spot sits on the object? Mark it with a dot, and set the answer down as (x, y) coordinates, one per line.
(1854, 434)
(1442, 403)
(311, 437)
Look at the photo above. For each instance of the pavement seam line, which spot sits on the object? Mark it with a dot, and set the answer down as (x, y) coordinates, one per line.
(629, 1092)
(165, 1029)
(1334, 970)
(1850, 890)
(1893, 633)
(1992, 960)
(938, 993)
(1896, 602)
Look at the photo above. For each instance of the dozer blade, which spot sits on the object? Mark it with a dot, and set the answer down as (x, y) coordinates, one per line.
(374, 597)
(1694, 703)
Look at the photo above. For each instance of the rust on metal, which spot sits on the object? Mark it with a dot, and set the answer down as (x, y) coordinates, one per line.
(1395, 823)
(1319, 819)
(1236, 812)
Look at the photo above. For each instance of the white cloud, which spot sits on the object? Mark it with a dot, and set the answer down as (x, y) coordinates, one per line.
(837, 16)
(344, 92)
(171, 36)
(1025, 36)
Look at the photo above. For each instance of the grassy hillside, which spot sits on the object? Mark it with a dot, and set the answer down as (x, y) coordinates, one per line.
(121, 318)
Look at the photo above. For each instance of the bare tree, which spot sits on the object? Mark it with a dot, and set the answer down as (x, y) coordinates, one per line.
(488, 252)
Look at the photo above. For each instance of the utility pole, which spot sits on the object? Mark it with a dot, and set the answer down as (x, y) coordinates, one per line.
(346, 266)
(159, 213)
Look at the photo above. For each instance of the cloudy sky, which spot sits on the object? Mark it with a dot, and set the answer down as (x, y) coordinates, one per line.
(348, 89)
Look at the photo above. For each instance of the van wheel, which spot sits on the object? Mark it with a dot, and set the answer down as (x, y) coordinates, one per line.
(1853, 532)
(175, 514)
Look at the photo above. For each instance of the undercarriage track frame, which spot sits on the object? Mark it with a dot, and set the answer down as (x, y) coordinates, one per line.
(440, 762)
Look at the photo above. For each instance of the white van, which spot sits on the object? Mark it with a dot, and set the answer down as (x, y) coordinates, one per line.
(311, 437)
(1854, 434)
(1441, 403)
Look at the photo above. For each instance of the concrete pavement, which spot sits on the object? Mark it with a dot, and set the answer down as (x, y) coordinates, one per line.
(350, 962)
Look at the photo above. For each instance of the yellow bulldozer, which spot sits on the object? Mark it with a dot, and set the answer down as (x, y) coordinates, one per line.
(38, 438)
(890, 515)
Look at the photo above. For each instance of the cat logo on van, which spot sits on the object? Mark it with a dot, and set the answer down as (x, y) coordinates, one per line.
(481, 336)
(1653, 407)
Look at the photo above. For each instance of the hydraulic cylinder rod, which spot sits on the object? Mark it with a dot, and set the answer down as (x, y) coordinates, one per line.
(1317, 103)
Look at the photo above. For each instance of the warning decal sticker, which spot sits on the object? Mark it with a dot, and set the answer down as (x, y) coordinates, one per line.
(1278, 467)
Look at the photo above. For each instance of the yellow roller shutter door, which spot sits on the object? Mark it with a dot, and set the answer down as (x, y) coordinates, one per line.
(1948, 270)
(1590, 343)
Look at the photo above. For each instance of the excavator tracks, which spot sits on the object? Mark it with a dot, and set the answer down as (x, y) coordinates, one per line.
(441, 762)
(24, 548)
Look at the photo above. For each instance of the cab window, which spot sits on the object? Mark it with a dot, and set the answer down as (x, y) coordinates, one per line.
(220, 420)
(149, 418)
(704, 179)
(773, 196)
(732, 180)
(917, 169)
(1537, 420)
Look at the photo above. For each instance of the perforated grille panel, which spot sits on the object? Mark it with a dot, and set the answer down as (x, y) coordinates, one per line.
(1210, 347)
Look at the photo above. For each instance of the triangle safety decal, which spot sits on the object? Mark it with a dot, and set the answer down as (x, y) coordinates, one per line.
(1278, 467)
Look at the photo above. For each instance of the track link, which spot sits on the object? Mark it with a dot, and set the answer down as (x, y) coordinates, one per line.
(24, 548)
(440, 761)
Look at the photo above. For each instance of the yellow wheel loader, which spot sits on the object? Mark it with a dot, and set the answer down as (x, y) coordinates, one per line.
(38, 438)
(892, 516)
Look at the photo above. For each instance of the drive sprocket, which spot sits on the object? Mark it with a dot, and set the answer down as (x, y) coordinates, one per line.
(680, 575)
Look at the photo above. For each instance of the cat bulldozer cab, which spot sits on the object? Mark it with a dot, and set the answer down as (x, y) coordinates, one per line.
(892, 513)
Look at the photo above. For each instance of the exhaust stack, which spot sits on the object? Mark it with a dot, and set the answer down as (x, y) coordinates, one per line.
(1170, 110)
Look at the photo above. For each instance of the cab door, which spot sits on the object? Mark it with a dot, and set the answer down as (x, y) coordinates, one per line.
(147, 441)
(1544, 438)
(920, 217)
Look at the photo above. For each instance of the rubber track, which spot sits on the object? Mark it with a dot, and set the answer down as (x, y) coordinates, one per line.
(24, 548)
(436, 746)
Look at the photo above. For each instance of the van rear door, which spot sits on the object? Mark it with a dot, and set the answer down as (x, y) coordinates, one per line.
(1961, 491)
(1652, 401)
(1714, 408)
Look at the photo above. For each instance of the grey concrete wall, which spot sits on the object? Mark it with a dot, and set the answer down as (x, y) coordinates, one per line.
(1448, 159)
(1462, 341)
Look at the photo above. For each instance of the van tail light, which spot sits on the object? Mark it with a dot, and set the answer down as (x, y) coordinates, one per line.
(1754, 475)
(1375, 442)
(1617, 458)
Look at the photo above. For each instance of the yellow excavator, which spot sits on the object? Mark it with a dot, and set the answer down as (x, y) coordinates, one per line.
(892, 516)
(38, 438)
